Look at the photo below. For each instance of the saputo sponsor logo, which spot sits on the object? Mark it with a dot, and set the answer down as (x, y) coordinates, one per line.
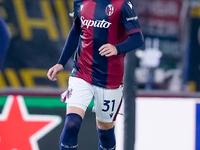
(96, 23)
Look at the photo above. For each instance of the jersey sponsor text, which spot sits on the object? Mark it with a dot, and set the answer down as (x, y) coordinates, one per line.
(96, 23)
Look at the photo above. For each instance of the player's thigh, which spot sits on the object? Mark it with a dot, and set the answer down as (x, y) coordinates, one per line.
(107, 103)
(79, 94)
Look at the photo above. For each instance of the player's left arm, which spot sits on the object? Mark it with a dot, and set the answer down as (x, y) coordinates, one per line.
(133, 30)
(134, 41)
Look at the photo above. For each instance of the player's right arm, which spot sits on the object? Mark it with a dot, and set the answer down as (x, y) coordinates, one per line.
(68, 50)
(4, 40)
(71, 42)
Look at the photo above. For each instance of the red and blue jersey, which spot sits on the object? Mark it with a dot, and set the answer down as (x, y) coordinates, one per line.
(102, 22)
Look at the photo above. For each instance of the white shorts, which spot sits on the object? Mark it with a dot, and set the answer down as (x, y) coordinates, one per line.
(107, 102)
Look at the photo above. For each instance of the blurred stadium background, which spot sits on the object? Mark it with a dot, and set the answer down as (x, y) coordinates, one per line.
(167, 84)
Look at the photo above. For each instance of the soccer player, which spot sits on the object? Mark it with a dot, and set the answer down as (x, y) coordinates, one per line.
(4, 40)
(103, 32)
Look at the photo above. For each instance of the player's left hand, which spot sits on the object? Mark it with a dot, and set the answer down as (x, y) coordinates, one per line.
(107, 50)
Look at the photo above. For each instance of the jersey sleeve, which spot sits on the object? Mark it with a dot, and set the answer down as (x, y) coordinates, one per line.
(129, 18)
(71, 42)
(4, 40)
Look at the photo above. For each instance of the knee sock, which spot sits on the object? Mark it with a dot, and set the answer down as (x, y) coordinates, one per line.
(69, 135)
(106, 139)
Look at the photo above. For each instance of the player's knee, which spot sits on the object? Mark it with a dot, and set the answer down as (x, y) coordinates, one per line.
(72, 126)
(72, 123)
(70, 131)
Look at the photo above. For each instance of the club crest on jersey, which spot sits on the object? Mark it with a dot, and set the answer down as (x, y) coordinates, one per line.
(109, 10)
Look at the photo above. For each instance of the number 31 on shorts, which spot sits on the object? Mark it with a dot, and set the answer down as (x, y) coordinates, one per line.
(108, 104)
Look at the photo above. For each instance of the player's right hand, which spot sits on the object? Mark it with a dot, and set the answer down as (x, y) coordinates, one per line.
(53, 71)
